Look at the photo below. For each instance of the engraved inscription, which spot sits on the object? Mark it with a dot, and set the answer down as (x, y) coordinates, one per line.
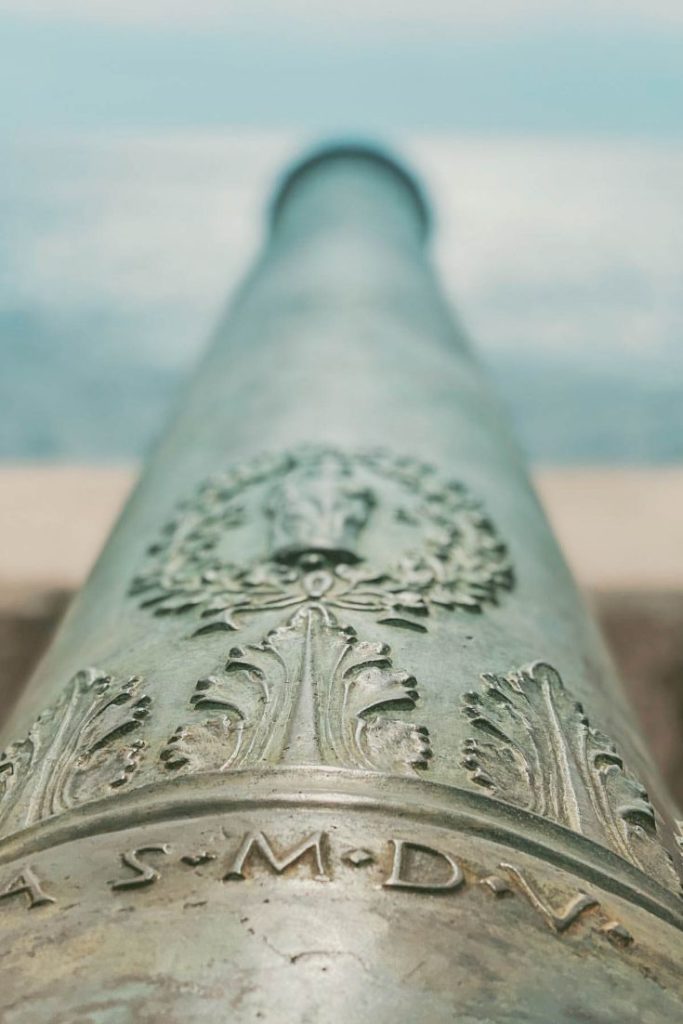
(84, 746)
(145, 874)
(311, 692)
(26, 882)
(259, 842)
(422, 876)
(410, 866)
(534, 747)
(558, 921)
(413, 865)
(395, 864)
(304, 515)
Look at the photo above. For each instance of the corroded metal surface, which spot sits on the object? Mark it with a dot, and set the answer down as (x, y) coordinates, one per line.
(351, 746)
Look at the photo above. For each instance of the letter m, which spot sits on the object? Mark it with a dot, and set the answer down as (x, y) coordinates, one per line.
(278, 862)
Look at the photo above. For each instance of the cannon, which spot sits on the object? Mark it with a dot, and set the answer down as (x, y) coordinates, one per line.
(328, 734)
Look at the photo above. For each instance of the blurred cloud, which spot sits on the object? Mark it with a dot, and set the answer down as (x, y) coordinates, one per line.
(615, 76)
(562, 257)
(546, 244)
(564, 245)
(141, 136)
(453, 14)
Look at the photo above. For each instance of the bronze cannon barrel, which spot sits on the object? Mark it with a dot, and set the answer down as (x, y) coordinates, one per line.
(329, 735)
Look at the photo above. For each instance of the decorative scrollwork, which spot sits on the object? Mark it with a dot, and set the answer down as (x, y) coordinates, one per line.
(534, 747)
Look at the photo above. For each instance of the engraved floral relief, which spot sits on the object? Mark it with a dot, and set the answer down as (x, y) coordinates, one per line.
(534, 747)
(310, 693)
(305, 525)
(83, 747)
(313, 534)
(308, 513)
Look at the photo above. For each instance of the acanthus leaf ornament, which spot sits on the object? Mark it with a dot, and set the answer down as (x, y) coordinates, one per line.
(310, 692)
(85, 745)
(534, 747)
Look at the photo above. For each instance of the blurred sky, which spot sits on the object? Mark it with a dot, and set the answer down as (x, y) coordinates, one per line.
(140, 140)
